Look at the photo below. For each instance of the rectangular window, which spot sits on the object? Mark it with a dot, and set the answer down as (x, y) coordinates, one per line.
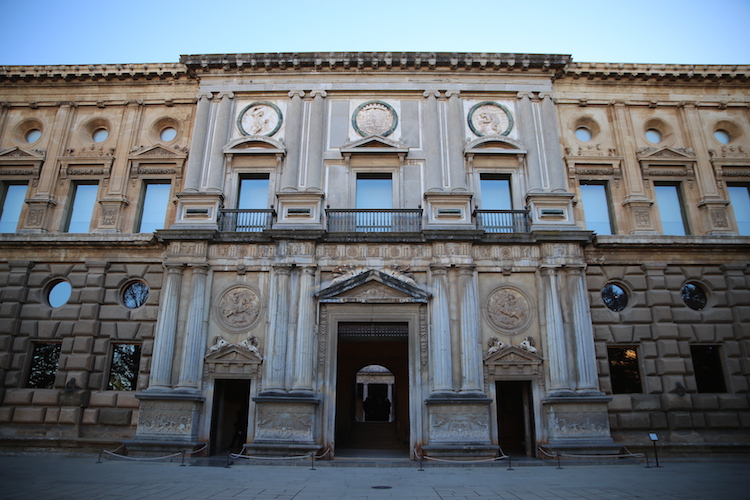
(82, 208)
(495, 192)
(154, 205)
(708, 368)
(123, 371)
(374, 191)
(44, 362)
(671, 209)
(624, 370)
(596, 212)
(13, 197)
(253, 193)
(740, 198)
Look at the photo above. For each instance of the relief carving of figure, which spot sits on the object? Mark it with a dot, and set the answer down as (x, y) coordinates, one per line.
(238, 308)
(508, 309)
(494, 345)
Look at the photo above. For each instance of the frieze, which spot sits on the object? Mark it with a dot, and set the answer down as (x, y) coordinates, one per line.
(423, 345)
(35, 217)
(508, 309)
(732, 172)
(187, 249)
(39, 153)
(284, 422)
(93, 152)
(642, 217)
(459, 424)
(719, 218)
(87, 171)
(109, 216)
(170, 418)
(238, 308)
(595, 171)
(569, 425)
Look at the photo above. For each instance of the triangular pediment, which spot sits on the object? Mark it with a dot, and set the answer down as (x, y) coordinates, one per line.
(233, 353)
(255, 144)
(513, 355)
(495, 144)
(373, 286)
(374, 144)
(666, 153)
(16, 153)
(156, 151)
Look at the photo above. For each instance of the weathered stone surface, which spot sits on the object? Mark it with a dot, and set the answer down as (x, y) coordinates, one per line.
(114, 417)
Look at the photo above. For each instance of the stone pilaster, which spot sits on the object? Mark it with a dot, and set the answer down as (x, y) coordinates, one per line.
(275, 365)
(312, 174)
(166, 330)
(557, 352)
(304, 352)
(194, 345)
(586, 375)
(455, 140)
(441, 367)
(292, 140)
(434, 173)
(471, 348)
(214, 178)
(198, 144)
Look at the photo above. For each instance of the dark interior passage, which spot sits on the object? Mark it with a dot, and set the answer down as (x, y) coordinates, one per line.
(229, 419)
(515, 422)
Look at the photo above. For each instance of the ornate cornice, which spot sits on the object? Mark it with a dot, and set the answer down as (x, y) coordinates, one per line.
(657, 72)
(83, 72)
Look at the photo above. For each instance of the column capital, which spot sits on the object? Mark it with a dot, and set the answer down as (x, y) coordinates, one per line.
(431, 93)
(466, 269)
(227, 94)
(318, 93)
(296, 93)
(441, 269)
(453, 93)
(549, 270)
(174, 267)
(201, 268)
(282, 268)
(205, 95)
(524, 95)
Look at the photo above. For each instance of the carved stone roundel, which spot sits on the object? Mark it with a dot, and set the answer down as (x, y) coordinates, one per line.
(374, 118)
(508, 309)
(238, 308)
(490, 118)
(260, 118)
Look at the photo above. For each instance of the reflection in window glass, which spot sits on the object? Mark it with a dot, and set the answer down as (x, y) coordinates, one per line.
(624, 371)
(44, 362)
(82, 209)
(694, 296)
(33, 135)
(100, 135)
(253, 192)
(135, 295)
(495, 190)
(15, 194)
(168, 134)
(374, 191)
(596, 208)
(614, 297)
(740, 198)
(59, 294)
(708, 369)
(123, 373)
(670, 209)
(653, 135)
(154, 209)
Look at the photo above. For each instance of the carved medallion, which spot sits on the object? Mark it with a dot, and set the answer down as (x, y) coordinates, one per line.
(490, 118)
(374, 118)
(260, 118)
(508, 309)
(238, 308)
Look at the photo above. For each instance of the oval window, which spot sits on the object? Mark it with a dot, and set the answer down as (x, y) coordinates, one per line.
(653, 135)
(722, 136)
(168, 134)
(135, 294)
(59, 294)
(614, 297)
(33, 135)
(100, 135)
(694, 296)
(583, 134)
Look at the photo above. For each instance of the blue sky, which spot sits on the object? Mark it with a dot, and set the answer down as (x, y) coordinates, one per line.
(136, 31)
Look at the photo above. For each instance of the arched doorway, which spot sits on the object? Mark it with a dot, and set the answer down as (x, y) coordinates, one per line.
(372, 394)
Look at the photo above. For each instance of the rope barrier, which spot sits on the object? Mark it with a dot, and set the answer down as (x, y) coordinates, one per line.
(295, 457)
(570, 455)
(496, 459)
(148, 459)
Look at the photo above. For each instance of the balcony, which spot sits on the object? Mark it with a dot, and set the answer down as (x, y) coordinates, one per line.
(374, 220)
(246, 221)
(502, 221)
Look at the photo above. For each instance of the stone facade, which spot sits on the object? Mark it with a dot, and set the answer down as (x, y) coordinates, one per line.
(319, 213)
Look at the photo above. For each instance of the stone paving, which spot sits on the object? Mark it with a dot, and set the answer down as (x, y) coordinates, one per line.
(81, 477)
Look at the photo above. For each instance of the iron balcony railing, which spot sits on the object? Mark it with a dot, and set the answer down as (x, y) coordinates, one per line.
(374, 220)
(502, 221)
(245, 220)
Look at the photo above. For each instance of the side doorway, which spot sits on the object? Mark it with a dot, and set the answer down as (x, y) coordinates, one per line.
(229, 418)
(515, 417)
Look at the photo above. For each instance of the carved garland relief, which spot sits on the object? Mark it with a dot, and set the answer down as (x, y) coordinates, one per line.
(238, 308)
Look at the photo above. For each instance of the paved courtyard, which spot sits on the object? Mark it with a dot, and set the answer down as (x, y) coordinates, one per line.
(81, 477)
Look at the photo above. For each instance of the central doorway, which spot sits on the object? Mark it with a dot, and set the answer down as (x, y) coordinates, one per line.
(372, 393)
(231, 406)
(515, 417)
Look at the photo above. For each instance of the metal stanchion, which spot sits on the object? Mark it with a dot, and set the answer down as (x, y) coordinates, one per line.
(229, 456)
(183, 459)
(510, 463)
(421, 469)
(100, 456)
(312, 460)
(558, 461)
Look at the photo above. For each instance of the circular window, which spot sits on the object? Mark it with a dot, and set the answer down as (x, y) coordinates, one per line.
(100, 135)
(59, 293)
(694, 296)
(583, 134)
(135, 294)
(614, 297)
(722, 136)
(167, 134)
(33, 135)
(653, 136)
